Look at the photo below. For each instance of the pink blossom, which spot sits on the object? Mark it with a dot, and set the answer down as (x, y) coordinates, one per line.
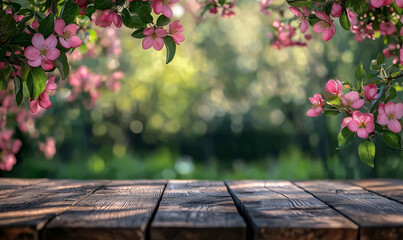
(107, 17)
(3, 117)
(387, 28)
(264, 5)
(399, 3)
(390, 51)
(43, 52)
(370, 92)
(67, 34)
(334, 87)
(175, 29)
(345, 122)
(352, 99)
(43, 100)
(380, 3)
(163, 6)
(326, 26)
(154, 38)
(389, 114)
(401, 56)
(48, 148)
(82, 4)
(317, 106)
(8, 160)
(361, 123)
(302, 16)
(336, 10)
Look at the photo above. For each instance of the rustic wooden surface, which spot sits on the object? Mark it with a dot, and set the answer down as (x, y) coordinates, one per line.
(119, 210)
(26, 210)
(392, 189)
(190, 209)
(280, 210)
(377, 216)
(209, 210)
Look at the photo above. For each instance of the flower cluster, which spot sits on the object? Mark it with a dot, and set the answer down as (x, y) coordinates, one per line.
(214, 6)
(284, 36)
(368, 111)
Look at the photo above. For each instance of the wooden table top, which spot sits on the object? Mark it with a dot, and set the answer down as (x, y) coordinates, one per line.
(44, 209)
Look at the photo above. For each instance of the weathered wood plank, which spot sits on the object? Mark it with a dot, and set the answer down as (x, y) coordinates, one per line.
(119, 210)
(392, 189)
(15, 183)
(378, 217)
(197, 210)
(282, 211)
(26, 210)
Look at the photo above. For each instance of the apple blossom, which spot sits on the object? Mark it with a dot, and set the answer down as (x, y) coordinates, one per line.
(387, 28)
(317, 106)
(43, 52)
(389, 114)
(361, 123)
(175, 29)
(336, 10)
(302, 16)
(163, 6)
(370, 92)
(154, 38)
(67, 34)
(352, 99)
(326, 26)
(334, 86)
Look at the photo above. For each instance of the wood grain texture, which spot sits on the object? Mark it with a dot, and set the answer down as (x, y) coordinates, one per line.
(378, 217)
(282, 211)
(8, 185)
(197, 210)
(25, 211)
(119, 210)
(389, 188)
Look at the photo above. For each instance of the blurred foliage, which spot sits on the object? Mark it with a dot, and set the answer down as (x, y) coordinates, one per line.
(228, 107)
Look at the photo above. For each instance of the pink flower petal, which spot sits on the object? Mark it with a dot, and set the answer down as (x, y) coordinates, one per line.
(323, 16)
(59, 27)
(74, 41)
(51, 41)
(327, 34)
(353, 126)
(148, 31)
(35, 63)
(52, 54)
(33, 106)
(38, 40)
(312, 113)
(72, 28)
(147, 42)
(167, 11)
(160, 32)
(390, 107)
(158, 44)
(382, 119)
(358, 104)
(362, 133)
(394, 126)
(304, 26)
(64, 43)
(305, 11)
(47, 65)
(399, 110)
(318, 27)
(296, 11)
(32, 53)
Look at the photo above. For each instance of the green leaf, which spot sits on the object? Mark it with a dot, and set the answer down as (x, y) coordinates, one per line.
(69, 11)
(89, 11)
(300, 3)
(4, 76)
(25, 68)
(19, 89)
(8, 25)
(62, 65)
(359, 72)
(103, 4)
(344, 20)
(171, 48)
(392, 139)
(334, 101)
(162, 21)
(36, 82)
(360, 6)
(379, 59)
(47, 25)
(366, 151)
(221, 2)
(144, 14)
(392, 94)
(138, 33)
(345, 137)
(126, 18)
(138, 23)
(331, 113)
(22, 39)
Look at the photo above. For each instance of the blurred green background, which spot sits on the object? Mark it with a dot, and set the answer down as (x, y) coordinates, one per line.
(228, 107)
